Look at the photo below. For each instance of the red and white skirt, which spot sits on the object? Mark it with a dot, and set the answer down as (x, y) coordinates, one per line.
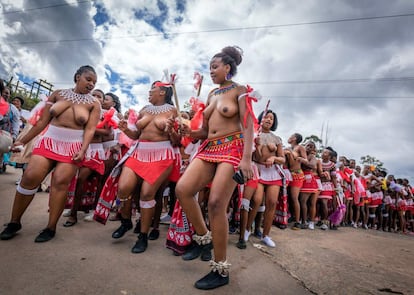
(59, 144)
(150, 159)
(269, 175)
(309, 184)
(328, 191)
(227, 149)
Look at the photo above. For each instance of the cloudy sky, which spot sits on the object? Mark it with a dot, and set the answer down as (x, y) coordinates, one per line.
(345, 65)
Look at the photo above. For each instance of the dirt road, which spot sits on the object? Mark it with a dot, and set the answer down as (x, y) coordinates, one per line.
(84, 259)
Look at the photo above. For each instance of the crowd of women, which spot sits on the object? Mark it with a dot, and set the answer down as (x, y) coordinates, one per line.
(222, 167)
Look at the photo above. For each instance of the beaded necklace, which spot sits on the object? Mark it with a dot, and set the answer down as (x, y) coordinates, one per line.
(78, 98)
(224, 89)
(156, 110)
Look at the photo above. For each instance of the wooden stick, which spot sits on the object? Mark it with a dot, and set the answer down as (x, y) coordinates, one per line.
(199, 87)
(177, 105)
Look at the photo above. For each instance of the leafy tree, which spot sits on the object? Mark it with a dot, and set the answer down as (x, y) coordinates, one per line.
(318, 143)
(369, 160)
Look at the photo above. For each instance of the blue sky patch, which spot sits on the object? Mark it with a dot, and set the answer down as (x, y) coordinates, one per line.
(101, 16)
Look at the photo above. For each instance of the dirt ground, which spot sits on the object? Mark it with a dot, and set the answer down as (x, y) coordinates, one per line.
(85, 260)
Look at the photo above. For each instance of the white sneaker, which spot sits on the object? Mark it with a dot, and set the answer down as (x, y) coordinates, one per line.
(246, 235)
(88, 217)
(268, 242)
(324, 227)
(165, 219)
(66, 213)
(311, 225)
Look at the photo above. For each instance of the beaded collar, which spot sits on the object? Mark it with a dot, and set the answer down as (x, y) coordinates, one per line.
(156, 110)
(224, 89)
(78, 98)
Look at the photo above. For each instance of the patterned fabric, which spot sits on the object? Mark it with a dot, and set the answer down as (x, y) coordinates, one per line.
(376, 199)
(88, 194)
(180, 231)
(309, 184)
(282, 215)
(110, 190)
(328, 191)
(228, 149)
(297, 178)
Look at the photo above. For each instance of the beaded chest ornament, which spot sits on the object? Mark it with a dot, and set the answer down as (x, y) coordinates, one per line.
(78, 98)
(156, 110)
(224, 89)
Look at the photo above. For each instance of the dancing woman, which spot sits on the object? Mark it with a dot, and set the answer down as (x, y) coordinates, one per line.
(228, 130)
(72, 115)
(151, 163)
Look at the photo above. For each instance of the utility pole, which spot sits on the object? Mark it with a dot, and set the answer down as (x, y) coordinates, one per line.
(41, 84)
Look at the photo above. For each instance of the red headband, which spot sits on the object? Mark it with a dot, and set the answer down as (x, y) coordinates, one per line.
(161, 84)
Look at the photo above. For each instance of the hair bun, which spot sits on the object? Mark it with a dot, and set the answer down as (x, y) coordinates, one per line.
(234, 52)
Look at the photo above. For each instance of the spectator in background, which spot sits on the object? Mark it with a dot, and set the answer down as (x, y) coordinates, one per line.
(9, 121)
(18, 102)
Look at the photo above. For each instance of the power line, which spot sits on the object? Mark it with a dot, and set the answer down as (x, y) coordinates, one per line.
(338, 96)
(46, 7)
(220, 30)
(358, 80)
(319, 81)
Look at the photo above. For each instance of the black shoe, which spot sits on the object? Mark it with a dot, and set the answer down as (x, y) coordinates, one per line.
(126, 225)
(197, 250)
(241, 244)
(211, 281)
(141, 245)
(154, 234)
(10, 231)
(258, 234)
(137, 228)
(45, 235)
